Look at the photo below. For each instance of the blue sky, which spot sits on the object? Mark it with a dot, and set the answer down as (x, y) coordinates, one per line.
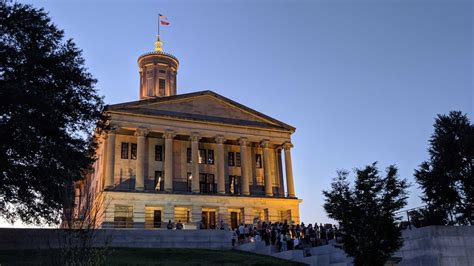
(360, 80)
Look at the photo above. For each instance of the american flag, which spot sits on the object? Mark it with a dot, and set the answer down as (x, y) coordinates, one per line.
(164, 20)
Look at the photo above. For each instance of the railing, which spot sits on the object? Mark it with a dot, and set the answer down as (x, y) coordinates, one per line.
(414, 217)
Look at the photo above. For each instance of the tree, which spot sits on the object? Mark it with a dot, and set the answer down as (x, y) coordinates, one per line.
(447, 178)
(49, 107)
(366, 213)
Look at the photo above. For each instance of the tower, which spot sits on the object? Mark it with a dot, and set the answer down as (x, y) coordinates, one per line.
(158, 72)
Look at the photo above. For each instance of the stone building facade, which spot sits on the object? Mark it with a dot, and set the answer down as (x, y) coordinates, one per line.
(198, 158)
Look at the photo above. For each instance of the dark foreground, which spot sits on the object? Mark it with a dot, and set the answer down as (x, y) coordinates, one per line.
(137, 256)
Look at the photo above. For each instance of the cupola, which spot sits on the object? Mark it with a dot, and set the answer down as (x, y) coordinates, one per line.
(158, 72)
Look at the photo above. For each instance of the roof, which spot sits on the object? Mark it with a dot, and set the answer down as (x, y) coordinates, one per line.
(204, 106)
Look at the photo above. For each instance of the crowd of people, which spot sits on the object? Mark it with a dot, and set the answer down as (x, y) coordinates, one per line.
(282, 235)
(285, 236)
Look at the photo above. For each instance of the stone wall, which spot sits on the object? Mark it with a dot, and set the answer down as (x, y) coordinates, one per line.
(438, 246)
(11, 239)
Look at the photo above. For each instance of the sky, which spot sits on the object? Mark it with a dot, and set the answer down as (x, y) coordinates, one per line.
(362, 81)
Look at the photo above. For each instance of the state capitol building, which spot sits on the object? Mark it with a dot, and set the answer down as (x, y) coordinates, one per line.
(198, 158)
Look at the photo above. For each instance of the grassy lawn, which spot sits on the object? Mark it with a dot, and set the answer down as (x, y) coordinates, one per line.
(136, 256)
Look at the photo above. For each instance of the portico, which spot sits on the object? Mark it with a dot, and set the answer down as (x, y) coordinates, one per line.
(219, 167)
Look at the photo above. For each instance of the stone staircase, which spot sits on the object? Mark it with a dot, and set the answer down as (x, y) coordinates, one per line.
(327, 255)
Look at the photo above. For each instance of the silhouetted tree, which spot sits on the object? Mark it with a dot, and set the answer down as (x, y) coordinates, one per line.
(48, 110)
(366, 213)
(447, 178)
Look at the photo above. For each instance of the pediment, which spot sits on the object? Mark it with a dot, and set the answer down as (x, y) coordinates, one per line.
(204, 106)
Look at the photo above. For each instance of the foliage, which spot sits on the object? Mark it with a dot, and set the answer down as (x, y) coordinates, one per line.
(366, 213)
(447, 178)
(49, 107)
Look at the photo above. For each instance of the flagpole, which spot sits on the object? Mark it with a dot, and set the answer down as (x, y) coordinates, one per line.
(158, 24)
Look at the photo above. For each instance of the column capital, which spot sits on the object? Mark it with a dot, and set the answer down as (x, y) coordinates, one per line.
(220, 139)
(265, 143)
(243, 141)
(169, 134)
(194, 136)
(141, 132)
(113, 129)
(287, 146)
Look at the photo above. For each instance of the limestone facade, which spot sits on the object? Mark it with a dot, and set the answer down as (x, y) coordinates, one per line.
(196, 157)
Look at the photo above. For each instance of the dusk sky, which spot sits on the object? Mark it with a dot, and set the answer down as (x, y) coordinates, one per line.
(362, 81)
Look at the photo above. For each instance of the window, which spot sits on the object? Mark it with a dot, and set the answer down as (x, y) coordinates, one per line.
(162, 85)
(182, 214)
(237, 159)
(202, 183)
(159, 182)
(123, 216)
(206, 183)
(234, 185)
(230, 158)
(202, 156)
(133, 151)
(188, 155)
(149, 86)
(162, 71)
(189, 181)
(158, 153)
(258, 160)
(211, 186)
(210, 156)
(157, 219)
(124, 151)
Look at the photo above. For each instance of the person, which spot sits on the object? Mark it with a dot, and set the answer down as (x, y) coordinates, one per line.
(312, 235)
(169, 226)
(323, 234)
(266, 235)
(247, 233)
(329, 232)
(241, 233)
(318, 234)
(234, 236)
(283, 242)
(221, 225)
(289, 242)
(296, 243)
(278, 243)
(298, 231)
(257, 237)
(201, 224)
(273, 236)
(179, 225)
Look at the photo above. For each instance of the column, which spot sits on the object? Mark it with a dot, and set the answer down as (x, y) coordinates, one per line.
(244, 166)
(168, 169)
(274, 215)
(194, 162)
(281, 189)
(110, 164)
(248, 215)
(138, 213)
(196, 215)
(168, 214)
(266, 168)
(220, 165)
(141, 151)
(289, 170)
(223, 215)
